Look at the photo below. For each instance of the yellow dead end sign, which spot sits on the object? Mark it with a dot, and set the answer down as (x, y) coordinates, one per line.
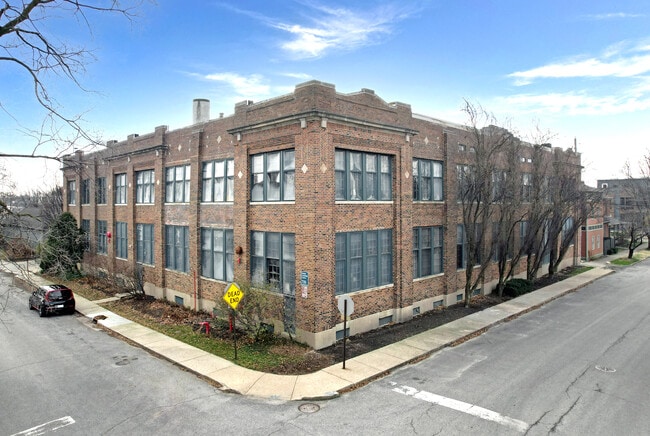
(233, 295)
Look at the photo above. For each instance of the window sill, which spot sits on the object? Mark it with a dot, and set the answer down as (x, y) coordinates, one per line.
(177, 271)
(365, 202)
(428, 201)
(210, 279)
(217, 203)
(420, 279)
(258, 203)
(148, 265)
(363, 291)
(145, 204)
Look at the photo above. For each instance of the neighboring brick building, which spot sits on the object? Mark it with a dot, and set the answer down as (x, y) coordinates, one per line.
(312, 191)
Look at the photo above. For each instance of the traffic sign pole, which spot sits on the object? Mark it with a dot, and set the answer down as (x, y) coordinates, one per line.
(345, 335)
(233, 332)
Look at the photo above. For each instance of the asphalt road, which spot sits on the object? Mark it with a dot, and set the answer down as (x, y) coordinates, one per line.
(579, 365)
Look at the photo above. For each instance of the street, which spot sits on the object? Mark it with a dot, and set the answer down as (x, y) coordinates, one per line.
(575, 366)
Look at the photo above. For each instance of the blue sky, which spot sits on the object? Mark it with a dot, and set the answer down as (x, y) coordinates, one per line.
(578, 69)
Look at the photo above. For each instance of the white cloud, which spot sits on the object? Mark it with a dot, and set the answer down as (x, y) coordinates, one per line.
(617, 61)
(247, 86)
(612, 16)
(339, 29)
(300, 76)
(580, 103)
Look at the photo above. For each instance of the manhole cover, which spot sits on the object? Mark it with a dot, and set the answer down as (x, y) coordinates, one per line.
(309, 408)
(605, 369)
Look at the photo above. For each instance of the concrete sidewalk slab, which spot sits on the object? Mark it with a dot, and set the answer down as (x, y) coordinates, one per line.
(273, 386)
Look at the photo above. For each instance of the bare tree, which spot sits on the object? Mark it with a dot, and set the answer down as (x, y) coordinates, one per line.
(27, 44)
(635, 204)
(480, 183)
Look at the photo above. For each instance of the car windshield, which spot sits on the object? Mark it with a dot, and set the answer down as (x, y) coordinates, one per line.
(63, 294)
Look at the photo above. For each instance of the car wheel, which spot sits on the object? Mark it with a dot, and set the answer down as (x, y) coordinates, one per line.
(30, 305)
(41, 311)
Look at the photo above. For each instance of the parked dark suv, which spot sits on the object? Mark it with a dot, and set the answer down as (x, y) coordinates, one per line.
(52, 298)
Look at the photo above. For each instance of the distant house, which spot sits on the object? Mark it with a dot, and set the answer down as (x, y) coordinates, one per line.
(595, 240)
(21, 229)
(621, 199)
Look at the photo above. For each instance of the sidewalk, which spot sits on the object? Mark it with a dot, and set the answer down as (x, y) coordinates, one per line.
(331, 381)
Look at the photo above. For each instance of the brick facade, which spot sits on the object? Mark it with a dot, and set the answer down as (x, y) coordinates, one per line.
(313, 121)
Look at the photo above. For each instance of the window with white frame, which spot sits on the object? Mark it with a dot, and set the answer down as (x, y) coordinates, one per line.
(145, 183)
(273, 176)
(85, 191)
(427, 180)
(362, 176)
(364, 260)
(218, 181)
(120, 188)
(427, 251)
(273, 260)
(144, 243)
(177, 248)
(101, 237)
(72, 192)
(177, 184)
(100, 190)
(121, 240)
(217, 259)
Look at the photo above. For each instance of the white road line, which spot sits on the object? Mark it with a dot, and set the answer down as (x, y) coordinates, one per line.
(461, 406)
(47, 427)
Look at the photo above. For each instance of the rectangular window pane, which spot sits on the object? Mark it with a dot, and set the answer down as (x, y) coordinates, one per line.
(288, 176)
(273, 176)
(230, 180)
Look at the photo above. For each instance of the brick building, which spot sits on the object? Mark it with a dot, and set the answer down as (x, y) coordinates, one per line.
(320, 193)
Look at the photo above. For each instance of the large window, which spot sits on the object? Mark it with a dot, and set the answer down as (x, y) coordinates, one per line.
(217, 249)
(100, 190)
(177, 248)
(144, 243)
(121, 240)
(363, 260)
(72, 192)
(218, 181)
(85, 191)
(362, 176)
(120, 188)
(85, 226)
(427, 251)
(465, 181)
(177, 184)
(144, 186)
(427, 180)
(526, 187)
(273, 259)
(101, 237)
(273, 176)
(461, 247)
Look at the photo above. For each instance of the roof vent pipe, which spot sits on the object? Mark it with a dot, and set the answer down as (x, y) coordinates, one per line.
(200, 110)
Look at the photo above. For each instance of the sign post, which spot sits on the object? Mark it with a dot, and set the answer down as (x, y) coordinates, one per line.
(346, 306)
(232, 297)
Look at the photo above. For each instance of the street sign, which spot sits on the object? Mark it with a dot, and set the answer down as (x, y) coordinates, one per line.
(233, 295)
(304, 278)
(350, 307)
